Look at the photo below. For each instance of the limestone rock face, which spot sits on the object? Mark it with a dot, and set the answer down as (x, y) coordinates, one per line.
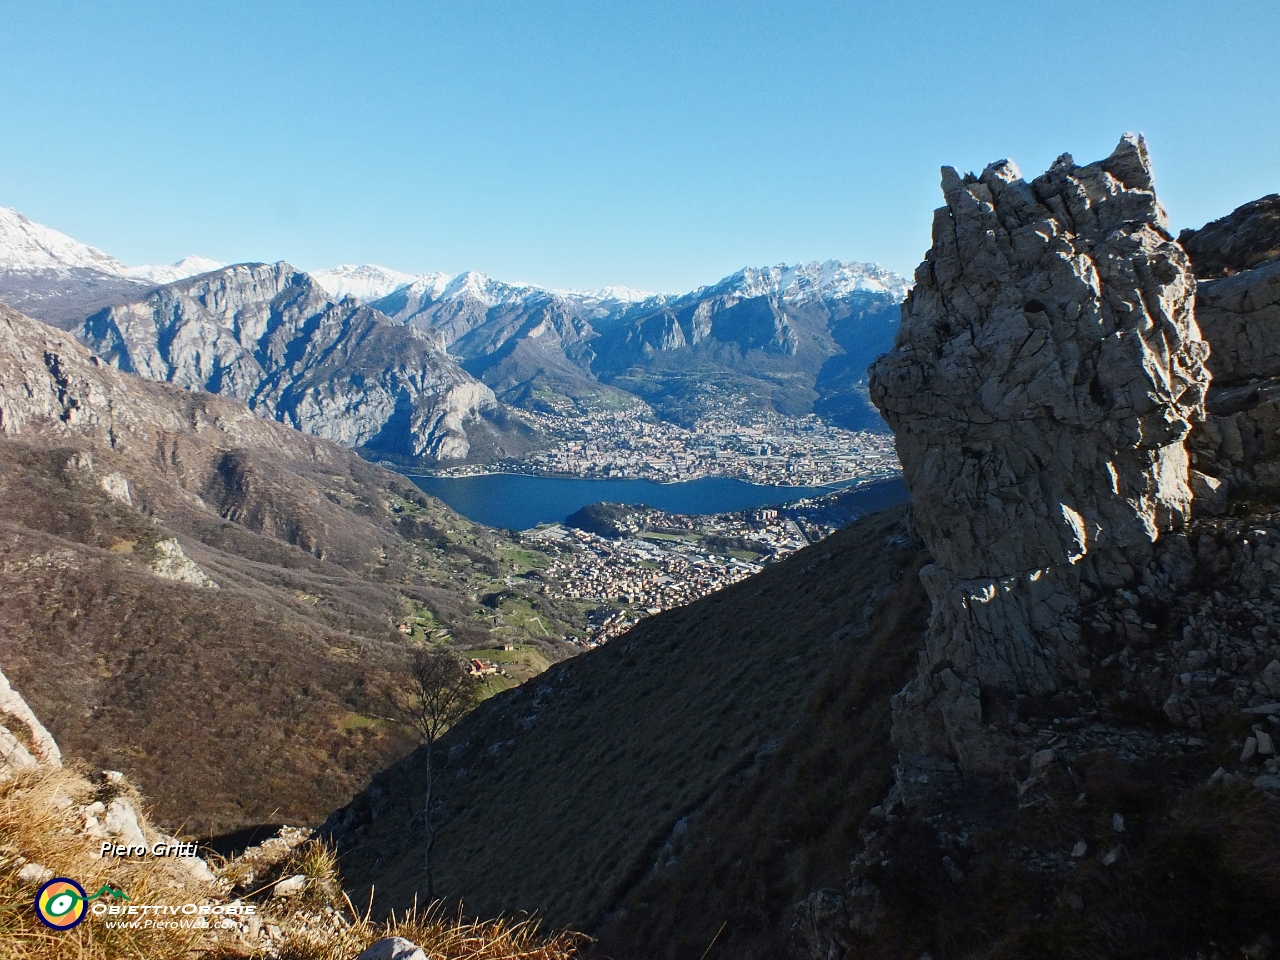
(271, 336)
(1240, 317)
(1046, 374)
(23, 739)
(172, 563)
(1238, 445)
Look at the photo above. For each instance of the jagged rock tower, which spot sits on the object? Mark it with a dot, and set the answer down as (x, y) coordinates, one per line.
(1045, 377)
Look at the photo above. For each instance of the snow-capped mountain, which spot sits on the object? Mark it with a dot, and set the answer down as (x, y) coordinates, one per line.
(25, 245)
(52, 277)
(609, 295)
(367, 282)
(799, 282)
(758, 328)
(29, 246)
(792, 337)
(186, 267)
(818, 281)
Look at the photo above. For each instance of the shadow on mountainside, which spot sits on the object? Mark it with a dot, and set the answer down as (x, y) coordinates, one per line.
(610, 784)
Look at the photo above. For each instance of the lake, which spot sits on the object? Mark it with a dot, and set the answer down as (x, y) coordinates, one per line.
(519, 502)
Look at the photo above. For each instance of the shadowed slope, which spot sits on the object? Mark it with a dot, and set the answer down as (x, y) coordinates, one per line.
(561, 797)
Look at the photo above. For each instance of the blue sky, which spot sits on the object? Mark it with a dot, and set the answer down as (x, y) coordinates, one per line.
(655, 145)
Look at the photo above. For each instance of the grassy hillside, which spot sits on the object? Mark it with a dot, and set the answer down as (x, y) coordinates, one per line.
(254, 702)
(577, 794)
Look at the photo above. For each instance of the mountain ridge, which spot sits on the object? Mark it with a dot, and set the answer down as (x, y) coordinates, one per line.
(795, 339)
(269, 335)
(798, 337)
(58, 279)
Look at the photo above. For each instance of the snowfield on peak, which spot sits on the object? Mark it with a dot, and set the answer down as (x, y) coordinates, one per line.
(835, 278)
(186, 267)
(27, 246)
(829, 280)
(367, 282)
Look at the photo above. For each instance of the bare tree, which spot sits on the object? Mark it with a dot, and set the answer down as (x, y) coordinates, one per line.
(432, 695)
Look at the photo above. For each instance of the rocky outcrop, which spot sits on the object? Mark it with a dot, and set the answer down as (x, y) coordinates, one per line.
(1236, 450)
(1246, 238)
(1103, 651)
(1045, 377)
(269, 335)
(1240, 317)
(24, 741)
(171, 563)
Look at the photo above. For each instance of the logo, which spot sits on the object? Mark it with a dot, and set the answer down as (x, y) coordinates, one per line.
(62, 904)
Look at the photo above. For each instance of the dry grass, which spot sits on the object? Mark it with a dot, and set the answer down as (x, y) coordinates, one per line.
(316, 567)
(39, 825)
(759, 846)
(32, 827)
(441, 937)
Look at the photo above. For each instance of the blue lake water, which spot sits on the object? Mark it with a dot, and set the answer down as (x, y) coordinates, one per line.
(519, 502)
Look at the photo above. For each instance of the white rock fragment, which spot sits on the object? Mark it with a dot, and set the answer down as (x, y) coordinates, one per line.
(1266, 746)
(121, 821)
(1209, 494)
(32, 743)
(393, 948)
(117, 487)
(1080, 849)
(34, 873)
(1271, 678)
(290, 886)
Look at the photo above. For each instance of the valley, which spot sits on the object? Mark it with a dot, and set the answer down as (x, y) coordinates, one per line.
(200, 568)
(800, 725)
(640, 481)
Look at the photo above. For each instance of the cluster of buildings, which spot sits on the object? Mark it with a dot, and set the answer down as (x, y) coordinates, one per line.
(660, 561)
(759, 447)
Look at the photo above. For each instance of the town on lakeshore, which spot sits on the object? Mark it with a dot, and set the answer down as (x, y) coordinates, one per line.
(755, 446)
(630, 562)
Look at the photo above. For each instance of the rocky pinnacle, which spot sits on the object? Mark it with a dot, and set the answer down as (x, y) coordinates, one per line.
(1046, 374)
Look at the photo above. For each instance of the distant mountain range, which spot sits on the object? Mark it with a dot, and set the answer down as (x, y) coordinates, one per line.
(796, 339)
(426, 367)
